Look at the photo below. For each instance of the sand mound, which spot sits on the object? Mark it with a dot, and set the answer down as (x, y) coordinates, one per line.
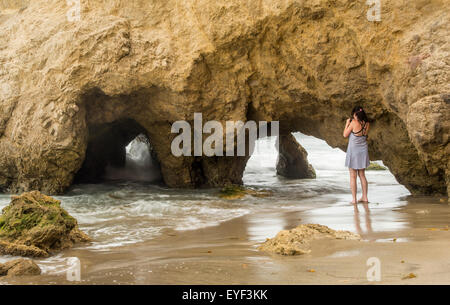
(34, 225)
(297, 241)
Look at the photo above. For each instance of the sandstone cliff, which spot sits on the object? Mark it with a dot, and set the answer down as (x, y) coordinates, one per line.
(140, 65)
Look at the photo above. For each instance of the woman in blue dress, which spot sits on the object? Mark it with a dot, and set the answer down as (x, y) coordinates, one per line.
(357, 158)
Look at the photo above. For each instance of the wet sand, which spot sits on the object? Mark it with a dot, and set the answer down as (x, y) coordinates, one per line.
(227, 253)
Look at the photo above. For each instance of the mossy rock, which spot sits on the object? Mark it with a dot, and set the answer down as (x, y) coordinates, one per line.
(233, 191)
(34, 224)
(376, 167)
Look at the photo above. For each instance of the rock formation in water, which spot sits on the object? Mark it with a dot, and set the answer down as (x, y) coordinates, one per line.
(297, 241)
(232, 192)
(124, 67)
(35, 225)
(292, 159)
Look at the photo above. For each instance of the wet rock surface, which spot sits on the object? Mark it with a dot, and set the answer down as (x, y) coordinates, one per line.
(19, 267)
(297, 241)
(232, 192)
(293, 159)
(35, 225)
(375, 167)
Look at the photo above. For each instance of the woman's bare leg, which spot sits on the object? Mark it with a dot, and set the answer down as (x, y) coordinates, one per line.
(362, 178)
(353, 174)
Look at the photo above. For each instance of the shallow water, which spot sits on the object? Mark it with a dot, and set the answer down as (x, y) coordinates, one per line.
(122, 213)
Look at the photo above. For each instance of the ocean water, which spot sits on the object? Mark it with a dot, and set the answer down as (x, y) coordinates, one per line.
(121, 212)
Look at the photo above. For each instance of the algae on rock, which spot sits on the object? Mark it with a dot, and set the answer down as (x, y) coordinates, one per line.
(232, 191)
(376, 167)
(34, 224)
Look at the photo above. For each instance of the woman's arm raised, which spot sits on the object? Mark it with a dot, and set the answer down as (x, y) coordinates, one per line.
(348, 128)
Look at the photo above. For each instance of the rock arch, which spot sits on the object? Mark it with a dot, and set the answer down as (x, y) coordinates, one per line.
(155, 62)
(106, 148)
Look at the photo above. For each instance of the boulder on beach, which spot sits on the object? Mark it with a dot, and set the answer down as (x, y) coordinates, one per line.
(35, 225)
(19, 267)
(297, 241)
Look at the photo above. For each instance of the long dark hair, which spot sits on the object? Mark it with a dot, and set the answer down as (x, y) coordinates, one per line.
(360, 114)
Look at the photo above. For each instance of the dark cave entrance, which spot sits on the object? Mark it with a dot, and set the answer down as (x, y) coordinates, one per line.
(120, 150)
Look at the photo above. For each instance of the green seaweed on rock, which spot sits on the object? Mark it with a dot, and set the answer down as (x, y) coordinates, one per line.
(376, 167)
(34, 224)
(234, 191)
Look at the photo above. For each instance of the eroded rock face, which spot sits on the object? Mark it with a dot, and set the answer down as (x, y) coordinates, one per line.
(35, 225)
(292, 159)
(304, 63)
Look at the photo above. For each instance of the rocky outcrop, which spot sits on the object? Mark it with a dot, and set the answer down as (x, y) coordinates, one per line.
(292, 159)
(19, 267)
(150, 63)
(35, 225)
(297, 241)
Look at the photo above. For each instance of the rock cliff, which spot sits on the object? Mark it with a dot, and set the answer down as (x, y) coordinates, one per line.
(141, 65)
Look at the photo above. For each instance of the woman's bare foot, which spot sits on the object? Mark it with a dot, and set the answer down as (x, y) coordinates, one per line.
(363, 200)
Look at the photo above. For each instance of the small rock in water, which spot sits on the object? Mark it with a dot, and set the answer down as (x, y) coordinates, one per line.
(409, 276)
(19, 267)
(422, 212)
(231, 192)
(375, 167)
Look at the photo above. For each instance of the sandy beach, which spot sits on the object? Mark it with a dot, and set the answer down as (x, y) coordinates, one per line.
(227, 254)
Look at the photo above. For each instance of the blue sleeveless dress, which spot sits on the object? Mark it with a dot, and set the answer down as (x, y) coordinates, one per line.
(357, 151)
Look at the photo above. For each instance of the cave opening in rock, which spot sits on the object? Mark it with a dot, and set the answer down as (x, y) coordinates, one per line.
(298, 156)
(278, 156)
(120, 150)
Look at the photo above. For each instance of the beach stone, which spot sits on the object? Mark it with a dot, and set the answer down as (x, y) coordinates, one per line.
(297, 240)
(35, 225)
(19, 267)
(292, 159)
(73, 90)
